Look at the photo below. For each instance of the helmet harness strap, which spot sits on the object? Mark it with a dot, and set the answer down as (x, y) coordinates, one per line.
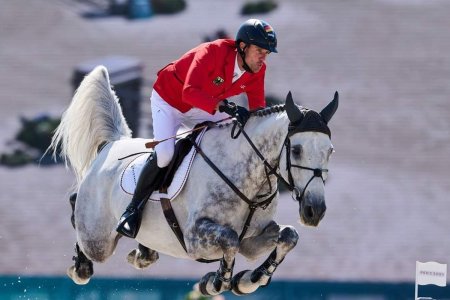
(242, 54)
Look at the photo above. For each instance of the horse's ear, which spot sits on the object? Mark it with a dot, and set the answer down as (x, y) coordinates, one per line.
(328, 112)
(292, 110)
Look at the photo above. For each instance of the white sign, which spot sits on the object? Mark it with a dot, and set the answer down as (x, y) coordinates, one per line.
(431, 273)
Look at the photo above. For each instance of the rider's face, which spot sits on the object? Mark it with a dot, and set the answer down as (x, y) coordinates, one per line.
(255, 56)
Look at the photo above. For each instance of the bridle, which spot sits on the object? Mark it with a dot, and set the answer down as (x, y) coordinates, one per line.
(317, 172)
(296, 194)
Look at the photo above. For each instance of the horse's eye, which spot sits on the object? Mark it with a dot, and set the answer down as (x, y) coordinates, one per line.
(297, 150)
(331, 151)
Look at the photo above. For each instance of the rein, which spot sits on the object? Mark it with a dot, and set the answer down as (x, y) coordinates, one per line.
(253, 205)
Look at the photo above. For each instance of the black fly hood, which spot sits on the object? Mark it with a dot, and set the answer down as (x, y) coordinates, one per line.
(302, 119)
(311, 121)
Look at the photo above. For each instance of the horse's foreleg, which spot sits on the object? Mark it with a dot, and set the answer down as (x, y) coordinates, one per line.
(209, 237)
(254, 247)
(142, 257)
(248, 281)
(82, 270)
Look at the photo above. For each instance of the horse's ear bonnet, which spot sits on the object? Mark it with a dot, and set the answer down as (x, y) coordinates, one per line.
(308, 120)
(292, 110)
(328, 112)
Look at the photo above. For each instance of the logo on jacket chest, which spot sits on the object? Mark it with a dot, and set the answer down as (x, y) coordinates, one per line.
(218, 80)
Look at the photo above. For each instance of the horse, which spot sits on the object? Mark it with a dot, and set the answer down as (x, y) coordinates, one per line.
(228, 202)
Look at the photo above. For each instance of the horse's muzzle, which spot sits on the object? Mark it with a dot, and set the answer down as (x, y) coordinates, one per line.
(312, 210)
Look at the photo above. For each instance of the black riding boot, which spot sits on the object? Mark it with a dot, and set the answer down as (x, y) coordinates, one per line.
(148, 181)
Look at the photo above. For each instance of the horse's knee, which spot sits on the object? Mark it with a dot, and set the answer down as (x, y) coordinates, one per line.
(288, 238)
(206, 234)
(228, 239)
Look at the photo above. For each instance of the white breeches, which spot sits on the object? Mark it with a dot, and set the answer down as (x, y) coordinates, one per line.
(166, 122)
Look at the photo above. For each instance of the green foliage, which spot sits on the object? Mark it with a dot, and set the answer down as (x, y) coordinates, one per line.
(15, 159)
(168, 6)
(259, 7)
(31, 142)
(37, 133)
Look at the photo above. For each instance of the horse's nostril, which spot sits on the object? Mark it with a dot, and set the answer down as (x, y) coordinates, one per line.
(309, 212)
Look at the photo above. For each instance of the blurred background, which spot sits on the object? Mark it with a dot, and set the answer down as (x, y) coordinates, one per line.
(388, 192)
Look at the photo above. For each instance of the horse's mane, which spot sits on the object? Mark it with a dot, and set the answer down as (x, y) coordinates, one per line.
(269, 110)
(279, 108)
(260, 113)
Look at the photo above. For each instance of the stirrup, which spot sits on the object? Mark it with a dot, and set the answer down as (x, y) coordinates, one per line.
(129, 223)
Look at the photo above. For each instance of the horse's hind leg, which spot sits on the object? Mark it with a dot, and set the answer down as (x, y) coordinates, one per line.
(72, 200)
(83, 269)
(142, 257)
(248, 281)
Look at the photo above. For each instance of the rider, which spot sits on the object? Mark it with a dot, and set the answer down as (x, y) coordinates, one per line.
(193, 89)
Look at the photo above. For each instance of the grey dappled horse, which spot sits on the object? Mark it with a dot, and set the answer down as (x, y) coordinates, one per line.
(218, 220)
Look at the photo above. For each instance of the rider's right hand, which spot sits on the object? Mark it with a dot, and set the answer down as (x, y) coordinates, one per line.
(228, 107)
(239, 112)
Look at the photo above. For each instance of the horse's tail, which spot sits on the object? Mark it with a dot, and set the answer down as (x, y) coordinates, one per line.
(93, 118)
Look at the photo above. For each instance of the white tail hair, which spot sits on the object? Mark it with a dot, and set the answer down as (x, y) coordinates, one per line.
(93, 118)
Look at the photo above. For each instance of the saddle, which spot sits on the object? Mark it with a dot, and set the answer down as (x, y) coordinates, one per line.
(176, 174)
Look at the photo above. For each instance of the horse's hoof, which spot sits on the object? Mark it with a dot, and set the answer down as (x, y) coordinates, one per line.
(139, 261)
(72, 273)
(242, 290)
(204, 282)
(268, 282)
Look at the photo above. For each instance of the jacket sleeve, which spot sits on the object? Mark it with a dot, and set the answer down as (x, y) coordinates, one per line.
(197, 76)
(255, 92)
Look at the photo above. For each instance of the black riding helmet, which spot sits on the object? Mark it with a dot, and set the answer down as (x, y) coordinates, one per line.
(256, 32)
(259, 33)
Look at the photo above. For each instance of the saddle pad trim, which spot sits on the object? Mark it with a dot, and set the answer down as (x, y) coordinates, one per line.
(131, 174)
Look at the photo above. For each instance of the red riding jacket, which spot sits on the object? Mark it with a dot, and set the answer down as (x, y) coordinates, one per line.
(202, 77)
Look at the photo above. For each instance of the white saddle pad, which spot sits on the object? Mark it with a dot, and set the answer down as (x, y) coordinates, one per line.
(131, 174)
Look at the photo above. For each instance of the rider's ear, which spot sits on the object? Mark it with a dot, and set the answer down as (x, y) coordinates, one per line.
(242, 46)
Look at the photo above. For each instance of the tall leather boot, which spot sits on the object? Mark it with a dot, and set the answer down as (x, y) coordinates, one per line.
(148, 181)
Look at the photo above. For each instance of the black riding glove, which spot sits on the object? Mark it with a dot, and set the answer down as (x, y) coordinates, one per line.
(239, 112)
(242, 115)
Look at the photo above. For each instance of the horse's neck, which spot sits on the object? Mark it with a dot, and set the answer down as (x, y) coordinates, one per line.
(268, 134)
(237, 156)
